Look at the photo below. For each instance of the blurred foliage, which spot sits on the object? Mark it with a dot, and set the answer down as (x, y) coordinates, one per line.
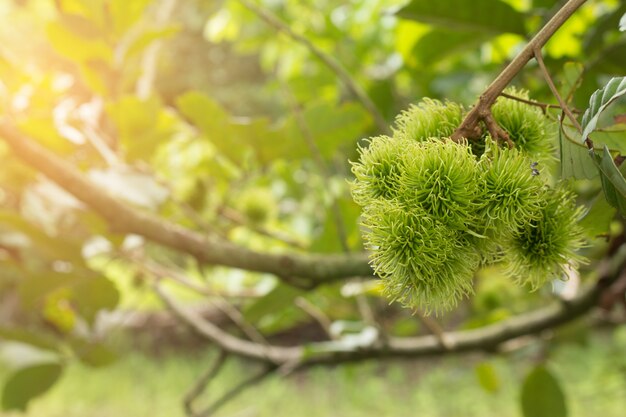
(227, 111)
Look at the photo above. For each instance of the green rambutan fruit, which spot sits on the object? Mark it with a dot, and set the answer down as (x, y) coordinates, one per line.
(258, 205)
(378, 168)
(428, 119)
(543, 247)
(441, 178)
(527, 126)
(514, 190)
(422, 263)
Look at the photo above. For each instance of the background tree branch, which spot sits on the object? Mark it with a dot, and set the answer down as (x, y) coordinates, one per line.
(207, 248)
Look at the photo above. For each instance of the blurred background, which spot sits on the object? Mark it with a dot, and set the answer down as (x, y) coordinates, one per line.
(238, 119)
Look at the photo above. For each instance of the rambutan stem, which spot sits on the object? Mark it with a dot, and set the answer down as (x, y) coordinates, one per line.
(469, 128)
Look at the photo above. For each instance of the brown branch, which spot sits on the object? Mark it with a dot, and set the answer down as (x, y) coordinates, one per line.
(214, 298)
(555, 92)
(198, 388)
(265, 353)
(487, 338)
(495, 131)
(435, 329)
(331, 62)
(316, 313)
(236, 390)
(543, 106)
(201, 384)
(470, 128)
(207, 248)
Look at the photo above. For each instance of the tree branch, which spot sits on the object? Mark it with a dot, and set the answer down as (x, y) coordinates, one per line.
(469, 128)
(236, 390)
(207, 248)
(487, 338)
(198, 388)
(543, 106)
(265, 353)
(333, 64)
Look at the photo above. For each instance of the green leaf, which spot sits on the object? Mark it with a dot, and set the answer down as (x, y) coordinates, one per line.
(142, 124)
(439, 43)
(75, 47)
(28, 337)
(34, 288)
(480, 15)
(544, 4)
(125, 14)
(80, 25)
(146, 38)
(605, 24)
(487, 377)
(278, 299)
(94, 354)
(330, 126)
(49, 247)
(333, 125)
(575, 161)
(571, 79)
(599, 101)
(613, 182)
(328, 240)
(598, 219)
(542, 395)
(27, 383)
(614, 137)
(88, 293)
(93, 294)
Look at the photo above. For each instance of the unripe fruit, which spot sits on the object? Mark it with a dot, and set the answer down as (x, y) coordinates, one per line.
(420, 260)
(434, 212)
(543, 247)
(257, 205)
(377, 171)
(527, 126)
(513, 192)
(428, 119)
(441, 178)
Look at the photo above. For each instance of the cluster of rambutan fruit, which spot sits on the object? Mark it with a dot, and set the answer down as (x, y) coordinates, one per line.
(434, 210)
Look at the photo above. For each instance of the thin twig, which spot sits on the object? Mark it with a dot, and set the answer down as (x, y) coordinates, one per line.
(235, 315)
(332, 63)
(215, 299)
(198, 388)
(225, 340)
(546, 76)
(238, 389)
(544, 106)
(435, 329)
(317, 314)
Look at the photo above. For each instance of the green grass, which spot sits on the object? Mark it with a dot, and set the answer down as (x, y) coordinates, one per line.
(593, 378)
